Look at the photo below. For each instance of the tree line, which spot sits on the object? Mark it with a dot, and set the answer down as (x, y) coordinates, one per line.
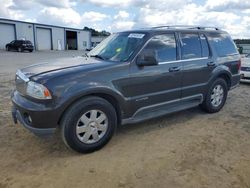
(242, 41)
(97, 33)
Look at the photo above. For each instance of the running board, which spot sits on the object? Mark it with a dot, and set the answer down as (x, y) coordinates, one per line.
(161, 109)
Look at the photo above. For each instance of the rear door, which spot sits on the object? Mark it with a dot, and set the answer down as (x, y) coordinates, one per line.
(197, 63)
(17, 44)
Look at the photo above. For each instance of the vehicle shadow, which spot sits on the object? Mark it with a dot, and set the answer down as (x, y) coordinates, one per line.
(160, 122)
(54, 145)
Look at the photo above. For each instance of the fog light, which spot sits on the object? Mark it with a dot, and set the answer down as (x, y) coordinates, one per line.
(27, 118)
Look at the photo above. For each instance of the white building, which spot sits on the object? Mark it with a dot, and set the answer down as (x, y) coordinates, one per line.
(95, 40)
(44, 37)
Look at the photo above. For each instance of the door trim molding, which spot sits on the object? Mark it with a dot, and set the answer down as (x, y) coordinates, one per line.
(183, 60)
(169, 107)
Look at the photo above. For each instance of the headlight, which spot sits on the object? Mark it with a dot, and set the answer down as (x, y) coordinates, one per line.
(37, 91)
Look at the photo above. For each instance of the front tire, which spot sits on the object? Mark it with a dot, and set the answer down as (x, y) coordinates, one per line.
(8, 48)
(88, 124)
(216, 96)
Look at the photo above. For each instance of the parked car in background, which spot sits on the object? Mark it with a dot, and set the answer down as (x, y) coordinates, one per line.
(20, 46)
(129, 77)
(245, 69)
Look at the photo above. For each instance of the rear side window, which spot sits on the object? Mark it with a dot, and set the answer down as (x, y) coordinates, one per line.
(165, 47)
(191, 46)
(223, 44)
(27, 42)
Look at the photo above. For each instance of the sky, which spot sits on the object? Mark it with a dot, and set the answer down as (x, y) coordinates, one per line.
(114, 15)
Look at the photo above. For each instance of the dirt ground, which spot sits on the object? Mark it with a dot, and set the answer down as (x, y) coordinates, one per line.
(187, 149)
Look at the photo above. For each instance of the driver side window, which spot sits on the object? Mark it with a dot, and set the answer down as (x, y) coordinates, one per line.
(164, 46)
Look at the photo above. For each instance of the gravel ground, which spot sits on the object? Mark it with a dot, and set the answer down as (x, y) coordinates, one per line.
(185, 149)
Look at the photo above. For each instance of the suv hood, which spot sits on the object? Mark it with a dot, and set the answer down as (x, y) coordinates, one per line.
(61, 64)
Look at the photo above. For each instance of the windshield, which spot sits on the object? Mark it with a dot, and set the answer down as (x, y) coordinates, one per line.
(118, 47)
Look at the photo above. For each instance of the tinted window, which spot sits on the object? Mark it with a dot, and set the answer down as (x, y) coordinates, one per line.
(19, 42)
(204, 45)
(27, 42)
(191, 46)
(165, 47)
(223, 44)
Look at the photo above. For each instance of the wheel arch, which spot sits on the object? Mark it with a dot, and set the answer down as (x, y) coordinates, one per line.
(106, 96)
(224, 73)
(227, 78)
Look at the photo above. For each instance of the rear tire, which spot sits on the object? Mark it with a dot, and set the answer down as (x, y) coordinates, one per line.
(88, 124)
(216, 96)
(19, 49)
(30, 50)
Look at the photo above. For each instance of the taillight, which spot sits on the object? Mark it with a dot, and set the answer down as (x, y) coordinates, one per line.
(239, 65)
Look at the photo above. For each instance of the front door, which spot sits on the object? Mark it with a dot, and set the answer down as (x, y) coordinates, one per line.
(153, 86)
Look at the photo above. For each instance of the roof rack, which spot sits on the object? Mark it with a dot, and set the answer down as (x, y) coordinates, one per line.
(185, 26)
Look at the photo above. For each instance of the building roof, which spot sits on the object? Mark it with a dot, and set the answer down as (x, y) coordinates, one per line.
(41, 24)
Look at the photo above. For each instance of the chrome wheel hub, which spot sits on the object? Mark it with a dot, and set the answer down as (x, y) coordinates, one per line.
(217, 95)
(92, 126)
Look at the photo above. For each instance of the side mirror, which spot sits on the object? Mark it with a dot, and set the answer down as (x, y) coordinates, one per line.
(147, 58)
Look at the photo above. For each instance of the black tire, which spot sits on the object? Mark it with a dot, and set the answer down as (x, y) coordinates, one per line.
(7, 48)
(207, 104)
(19, 49)
(30, 50)
(71, 118)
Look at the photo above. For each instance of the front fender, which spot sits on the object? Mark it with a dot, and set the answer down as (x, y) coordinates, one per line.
(77, 91)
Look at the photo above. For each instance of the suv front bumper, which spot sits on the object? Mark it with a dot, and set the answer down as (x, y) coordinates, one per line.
(36, 117)
(245, 76)
(17, 117)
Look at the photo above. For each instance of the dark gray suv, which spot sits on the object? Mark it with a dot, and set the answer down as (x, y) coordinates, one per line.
(130, 77)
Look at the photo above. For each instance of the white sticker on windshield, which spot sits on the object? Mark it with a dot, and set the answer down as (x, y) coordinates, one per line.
(136, 35)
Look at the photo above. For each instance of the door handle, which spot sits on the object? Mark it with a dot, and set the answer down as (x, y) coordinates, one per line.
(210, 64)
(174, 69)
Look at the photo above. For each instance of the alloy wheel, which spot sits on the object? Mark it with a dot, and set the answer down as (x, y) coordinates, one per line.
(217, 95)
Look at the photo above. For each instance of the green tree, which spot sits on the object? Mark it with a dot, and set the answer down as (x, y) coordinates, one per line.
(96, 33)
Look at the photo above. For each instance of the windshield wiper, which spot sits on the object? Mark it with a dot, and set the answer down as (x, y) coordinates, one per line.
(98, 56)
(85, 55)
